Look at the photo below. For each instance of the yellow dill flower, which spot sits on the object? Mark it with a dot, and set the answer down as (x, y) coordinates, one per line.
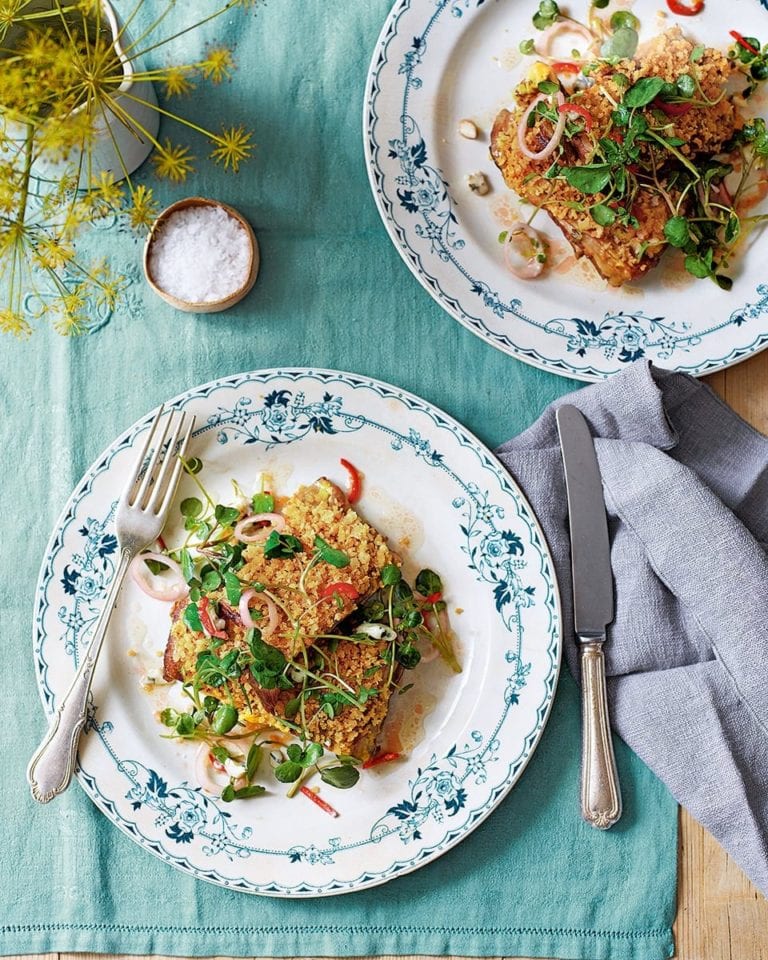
(173, 162)
(176, 81)
(70, 317)
(109, 291)
(218, 65)
(13, 322)
(105, 190)
(52, 253)
(233, 146)
(143, 208)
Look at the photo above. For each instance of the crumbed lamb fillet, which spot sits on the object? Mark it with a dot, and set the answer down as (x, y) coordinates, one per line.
(317, 510)
(619, 252)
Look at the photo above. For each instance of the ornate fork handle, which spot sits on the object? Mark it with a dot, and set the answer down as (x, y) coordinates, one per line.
(51, 767)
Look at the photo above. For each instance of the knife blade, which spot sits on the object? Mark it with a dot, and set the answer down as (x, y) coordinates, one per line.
(593, 606)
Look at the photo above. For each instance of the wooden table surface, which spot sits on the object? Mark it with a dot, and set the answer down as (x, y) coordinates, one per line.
(720, 915)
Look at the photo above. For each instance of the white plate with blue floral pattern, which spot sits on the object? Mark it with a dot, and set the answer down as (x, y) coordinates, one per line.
(440, 61)
(438, 495)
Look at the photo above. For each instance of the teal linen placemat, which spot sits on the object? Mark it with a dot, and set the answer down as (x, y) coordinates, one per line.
(533, 880)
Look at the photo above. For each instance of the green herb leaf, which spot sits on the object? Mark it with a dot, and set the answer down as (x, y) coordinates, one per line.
(289, 771)
(268, 663)
(187, 566)
(191, 507)
(697, 53)
(546, 15)
(193, 465)
(281, 546)
(211, 581)
(390, 575)
(263, 503)
(336, 558)
(224, 718)
(527, 47)
(698, 266)
(233, 587)
(252, 763)
(676, 231)
(342, 776)
(428, 582)
(548, 86)
(685, 86)
(643, 92)
(192, 618)
(243, 793)
(226, 516)
(603, 215)
(732, 229)
(590, 178)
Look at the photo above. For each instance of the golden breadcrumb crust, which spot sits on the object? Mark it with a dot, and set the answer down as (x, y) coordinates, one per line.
(620, 252)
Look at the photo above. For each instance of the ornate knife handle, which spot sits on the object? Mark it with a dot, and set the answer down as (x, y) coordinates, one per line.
(50, 769)
(600, 794)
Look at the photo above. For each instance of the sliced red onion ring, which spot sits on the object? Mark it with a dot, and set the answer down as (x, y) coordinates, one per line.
(522, 248)
(544, 46)
(245, 614)
(272, 521)
(168, 588)
(522, 129)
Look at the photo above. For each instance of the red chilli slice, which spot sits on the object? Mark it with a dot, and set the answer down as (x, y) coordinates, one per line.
(682, 9)
(380, 758)
(743, 42)
(586, 116)
(355, 485)
(319, 801)
(205, 620)
(343, 589)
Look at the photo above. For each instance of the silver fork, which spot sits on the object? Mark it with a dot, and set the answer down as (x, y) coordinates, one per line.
(141, 515)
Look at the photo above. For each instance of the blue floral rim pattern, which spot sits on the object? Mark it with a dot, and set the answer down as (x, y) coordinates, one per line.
(506, 553)
(405, 181)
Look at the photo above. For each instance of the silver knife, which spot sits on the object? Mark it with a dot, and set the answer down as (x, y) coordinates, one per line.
(592, 612)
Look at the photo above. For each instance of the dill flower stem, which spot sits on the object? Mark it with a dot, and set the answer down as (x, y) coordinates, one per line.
(211, 16)
(167, 113)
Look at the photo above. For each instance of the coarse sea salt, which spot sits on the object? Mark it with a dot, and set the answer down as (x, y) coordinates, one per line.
(200, 254)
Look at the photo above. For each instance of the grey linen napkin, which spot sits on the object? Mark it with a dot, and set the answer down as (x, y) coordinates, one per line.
(685, 482)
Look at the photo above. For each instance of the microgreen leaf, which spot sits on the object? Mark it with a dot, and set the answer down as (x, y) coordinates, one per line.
(428, 582)
(697, 53)
(263, 503)
(211, 581)
(288, 771)
(281, 546)
(676, 231)
(226, 516)
(252, 763)
(698, 266)
(390, 575)
(343, 776)
(192, 618)
(603, 215)
(233, 587)
(643, 92)
(191, 507)
(548, 86)
(187, 565)
(591, 178)
(336, 558)
(229, 793)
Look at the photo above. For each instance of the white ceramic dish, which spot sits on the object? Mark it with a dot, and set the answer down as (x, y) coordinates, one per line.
(428, 484)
